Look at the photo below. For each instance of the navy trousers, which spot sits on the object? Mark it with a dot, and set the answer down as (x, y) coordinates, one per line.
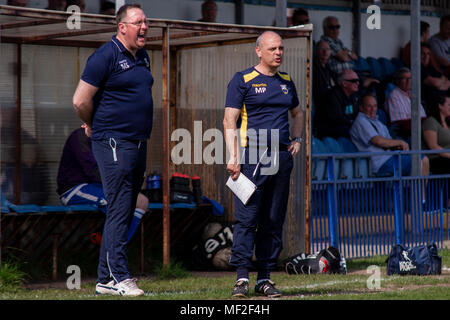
(122, 167)
(259, 224)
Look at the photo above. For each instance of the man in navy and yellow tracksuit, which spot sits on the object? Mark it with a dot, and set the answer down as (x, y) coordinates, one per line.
(257, 108)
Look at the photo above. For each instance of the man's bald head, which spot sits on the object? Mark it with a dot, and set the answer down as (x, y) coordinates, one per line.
(269, 48)
(263, 38)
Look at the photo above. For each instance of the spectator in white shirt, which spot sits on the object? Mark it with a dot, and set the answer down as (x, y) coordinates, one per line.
(399, 104)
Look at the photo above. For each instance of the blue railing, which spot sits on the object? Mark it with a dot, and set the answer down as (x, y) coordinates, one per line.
(364, 215)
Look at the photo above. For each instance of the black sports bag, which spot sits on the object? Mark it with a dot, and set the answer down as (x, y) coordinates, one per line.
(421, 260)
(325, 261)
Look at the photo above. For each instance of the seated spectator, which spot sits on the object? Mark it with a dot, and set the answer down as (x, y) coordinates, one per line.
(108, 8)
(433, 81)
(209, 11)
(58, 5)
(335, 116)
(341, 57)
(300, 17)
(323, 78)
(405, 53)
(370, 135)
(440, 44)
(17, 3)
(399, 104)
(79, 179)
(436, 133)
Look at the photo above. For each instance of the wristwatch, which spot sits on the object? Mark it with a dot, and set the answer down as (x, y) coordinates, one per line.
(297, 139)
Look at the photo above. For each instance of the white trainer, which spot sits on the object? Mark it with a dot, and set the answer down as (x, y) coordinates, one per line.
(101, 288)
(128, 287)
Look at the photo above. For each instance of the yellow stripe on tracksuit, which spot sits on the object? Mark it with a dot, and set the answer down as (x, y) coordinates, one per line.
(244, 121)
(243, 127)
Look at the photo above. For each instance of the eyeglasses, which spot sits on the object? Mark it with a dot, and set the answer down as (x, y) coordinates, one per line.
(352, 80)
(138, 23)
(334, 27)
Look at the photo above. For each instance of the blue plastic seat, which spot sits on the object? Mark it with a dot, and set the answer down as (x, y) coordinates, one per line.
(387, 66)
(55, 208)
(361, 65)
(362, 168)
(334, 147)
(25, 208)
(375, 68)
(397, 63)
(382, 116)
(318, 165)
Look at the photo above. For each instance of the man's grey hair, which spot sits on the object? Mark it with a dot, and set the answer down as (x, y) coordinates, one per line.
(400, 72)
(258, 40)
(326, 21)
(342, 74)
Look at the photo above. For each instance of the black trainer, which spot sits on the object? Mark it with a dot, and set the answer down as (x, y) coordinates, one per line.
(240, 289)
(267, 288)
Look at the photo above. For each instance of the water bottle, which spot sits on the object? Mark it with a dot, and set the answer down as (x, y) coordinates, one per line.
(156, 183)
(196, 189)
(148, 182)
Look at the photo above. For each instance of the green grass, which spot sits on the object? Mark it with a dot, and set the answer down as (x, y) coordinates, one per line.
(176, 283)
(11, 277)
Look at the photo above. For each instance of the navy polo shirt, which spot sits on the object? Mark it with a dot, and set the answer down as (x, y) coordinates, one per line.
(264, 102)
(123, 105)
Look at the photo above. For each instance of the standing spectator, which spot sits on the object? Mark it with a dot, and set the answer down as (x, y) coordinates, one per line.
(399, 105)
(209, 11)
(323, 78)
(436, 133)
(114, 100)
(334, 117)
(433, 82)
(341, 57)
(440, 44)
(371, 135)
(300, 17)
(59, 5)
(259, 222)
(424, 35)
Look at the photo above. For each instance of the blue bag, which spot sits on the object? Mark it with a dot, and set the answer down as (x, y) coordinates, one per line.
(421, 260)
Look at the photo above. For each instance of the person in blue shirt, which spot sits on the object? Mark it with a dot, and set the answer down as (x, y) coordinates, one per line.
(114, 100)
(369, 134)
(79, 181)
(257, 107)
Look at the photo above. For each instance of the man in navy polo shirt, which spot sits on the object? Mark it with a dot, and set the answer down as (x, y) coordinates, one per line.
(114, 99)
(258, 101)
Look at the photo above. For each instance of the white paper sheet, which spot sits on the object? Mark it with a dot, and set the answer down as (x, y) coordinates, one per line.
(242, 187)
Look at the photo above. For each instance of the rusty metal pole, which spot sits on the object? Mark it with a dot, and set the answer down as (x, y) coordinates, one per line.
(18, 157)
(55, 256)
(166, 188)
(308, 147)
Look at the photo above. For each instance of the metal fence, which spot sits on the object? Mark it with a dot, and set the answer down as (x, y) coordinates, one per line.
(364, 215)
